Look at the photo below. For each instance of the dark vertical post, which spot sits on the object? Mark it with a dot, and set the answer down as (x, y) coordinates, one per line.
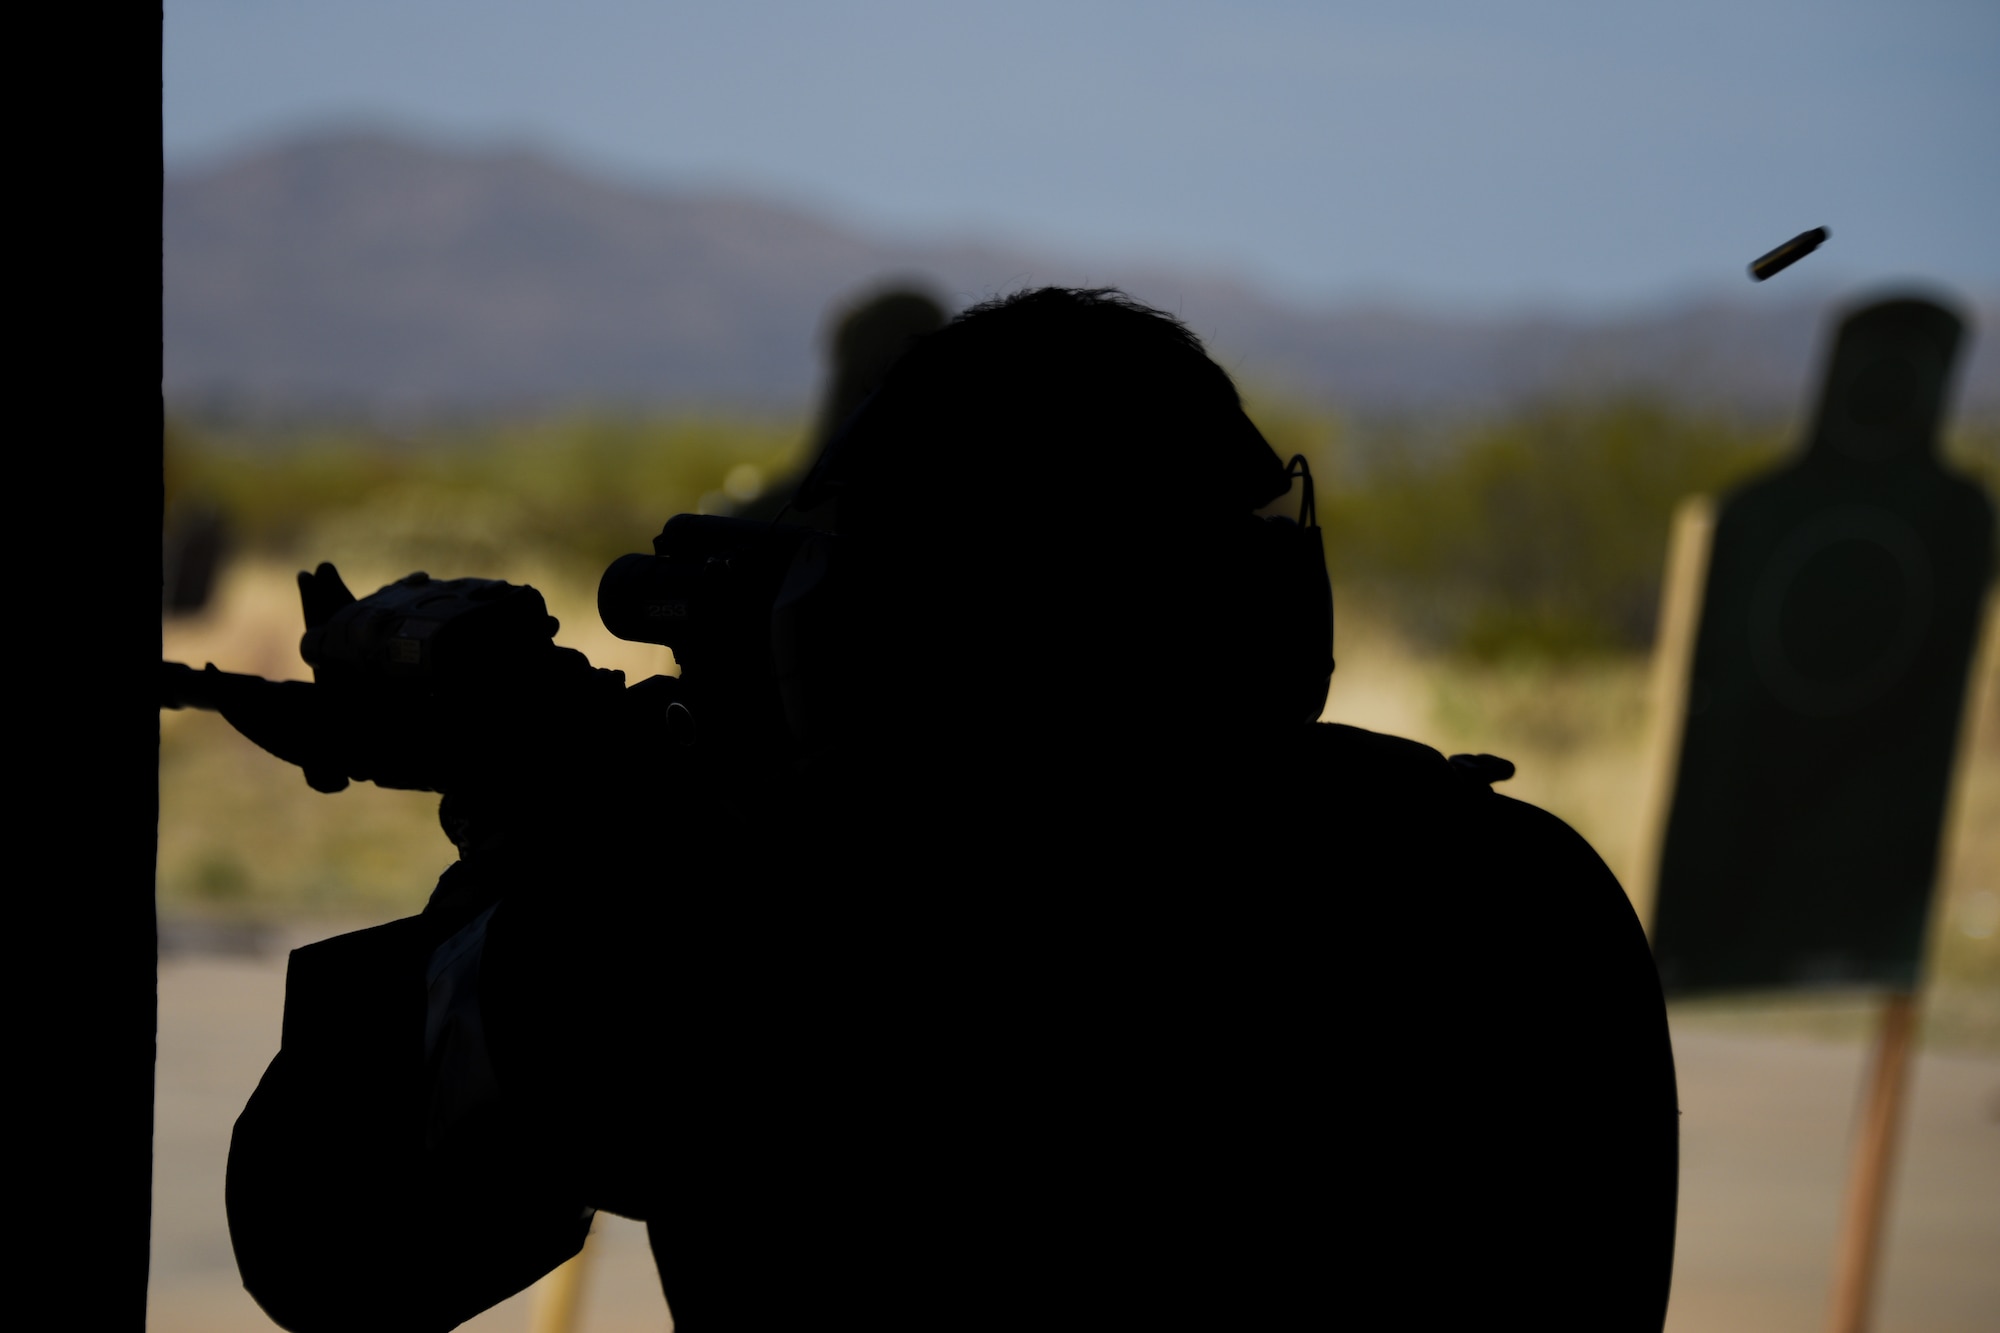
(84, 486)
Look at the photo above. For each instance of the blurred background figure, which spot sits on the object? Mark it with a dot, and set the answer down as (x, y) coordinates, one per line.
(867, 338)
(1839, 614)
(863, 339)
(194, 542)
(1842, 608)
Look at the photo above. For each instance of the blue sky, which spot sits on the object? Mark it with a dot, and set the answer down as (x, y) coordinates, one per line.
(1454, 156)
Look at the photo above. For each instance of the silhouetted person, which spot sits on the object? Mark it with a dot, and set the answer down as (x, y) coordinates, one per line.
(1075, 976)
(1119, 992)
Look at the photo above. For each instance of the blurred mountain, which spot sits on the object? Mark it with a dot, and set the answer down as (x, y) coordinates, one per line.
(362, 273)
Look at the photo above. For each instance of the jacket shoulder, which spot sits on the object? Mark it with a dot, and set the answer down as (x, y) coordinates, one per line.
(1386, 765)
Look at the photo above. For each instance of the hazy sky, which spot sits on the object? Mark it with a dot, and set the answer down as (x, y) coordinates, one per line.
(1471, 156)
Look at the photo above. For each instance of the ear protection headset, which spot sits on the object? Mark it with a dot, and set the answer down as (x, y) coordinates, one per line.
(1282, 665)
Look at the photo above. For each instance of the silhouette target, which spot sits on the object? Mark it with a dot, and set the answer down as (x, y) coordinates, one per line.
(1837, 627)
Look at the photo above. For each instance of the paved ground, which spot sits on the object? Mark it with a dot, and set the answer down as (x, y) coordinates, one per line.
(1765, 1123)
(1764, 1133)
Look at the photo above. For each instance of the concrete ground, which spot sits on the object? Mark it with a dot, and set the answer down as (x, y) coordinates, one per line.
(1765, 1133)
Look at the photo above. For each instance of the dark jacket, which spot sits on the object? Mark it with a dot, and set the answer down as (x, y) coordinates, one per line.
(1228, 1035)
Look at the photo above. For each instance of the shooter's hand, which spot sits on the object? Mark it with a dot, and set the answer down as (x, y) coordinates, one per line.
(322, 594)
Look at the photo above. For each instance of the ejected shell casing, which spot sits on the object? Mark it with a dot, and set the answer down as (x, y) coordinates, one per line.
(1791, 252)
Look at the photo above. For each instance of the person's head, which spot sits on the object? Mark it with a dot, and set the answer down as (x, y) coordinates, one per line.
(1055, 405)
(1052, 502)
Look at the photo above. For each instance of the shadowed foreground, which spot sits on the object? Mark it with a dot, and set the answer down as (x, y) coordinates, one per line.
(1764, 1151)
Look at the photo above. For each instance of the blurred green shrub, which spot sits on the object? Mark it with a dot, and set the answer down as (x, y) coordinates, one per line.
(1538, 535)
(582, 488)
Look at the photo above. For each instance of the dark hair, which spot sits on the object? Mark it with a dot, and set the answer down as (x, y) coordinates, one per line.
(1057, 402)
